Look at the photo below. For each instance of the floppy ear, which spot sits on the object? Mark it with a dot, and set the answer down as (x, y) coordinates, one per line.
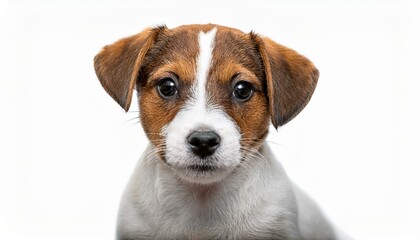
(291, 80)
(117, 65)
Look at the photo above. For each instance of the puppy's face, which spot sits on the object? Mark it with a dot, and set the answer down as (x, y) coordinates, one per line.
(206, 93)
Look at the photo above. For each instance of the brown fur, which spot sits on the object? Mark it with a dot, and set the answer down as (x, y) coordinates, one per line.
(291, 79)
(117, 65)
(235, 58)
(283, 80)
(174, 54)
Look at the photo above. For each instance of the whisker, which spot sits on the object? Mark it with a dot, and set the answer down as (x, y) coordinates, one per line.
(135, 123)
(134, 118)
(256, 154)
(154, 133)
(152, 154)
(278, 144)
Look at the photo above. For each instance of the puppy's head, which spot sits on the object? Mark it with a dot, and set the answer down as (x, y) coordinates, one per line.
(206, 93)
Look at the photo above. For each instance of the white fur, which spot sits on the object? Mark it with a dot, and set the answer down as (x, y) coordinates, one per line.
(199, 114)
(256, 202)
(204, 62)
(253, 199)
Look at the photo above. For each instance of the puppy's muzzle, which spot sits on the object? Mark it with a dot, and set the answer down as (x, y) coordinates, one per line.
(203, 143)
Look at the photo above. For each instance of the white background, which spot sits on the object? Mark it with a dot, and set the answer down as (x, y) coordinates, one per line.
(67, 149)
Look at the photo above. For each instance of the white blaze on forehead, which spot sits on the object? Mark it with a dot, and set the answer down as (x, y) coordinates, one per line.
(204, 61)
(195, 115)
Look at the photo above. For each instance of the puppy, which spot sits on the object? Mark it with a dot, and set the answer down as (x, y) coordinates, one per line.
(207, 94)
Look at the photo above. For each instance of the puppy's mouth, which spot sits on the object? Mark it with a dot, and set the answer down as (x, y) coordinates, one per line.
(202, 168)
(199, 167)
(201, 173)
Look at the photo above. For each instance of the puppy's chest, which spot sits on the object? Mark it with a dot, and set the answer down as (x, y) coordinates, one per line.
(204, 225)
(206, 216)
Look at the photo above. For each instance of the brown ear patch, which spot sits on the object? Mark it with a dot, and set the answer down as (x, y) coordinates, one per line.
(291, 79)
(117, 65)
(235, 59)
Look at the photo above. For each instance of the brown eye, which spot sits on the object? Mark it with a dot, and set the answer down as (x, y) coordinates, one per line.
(243, 90)
(167, 88)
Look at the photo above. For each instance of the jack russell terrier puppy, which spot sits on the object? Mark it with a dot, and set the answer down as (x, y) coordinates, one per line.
(207, 94)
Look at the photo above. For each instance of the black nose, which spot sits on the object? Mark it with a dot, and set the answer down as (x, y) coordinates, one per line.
(203, 143)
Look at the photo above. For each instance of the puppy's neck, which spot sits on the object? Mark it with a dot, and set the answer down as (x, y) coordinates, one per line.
(202, 192)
